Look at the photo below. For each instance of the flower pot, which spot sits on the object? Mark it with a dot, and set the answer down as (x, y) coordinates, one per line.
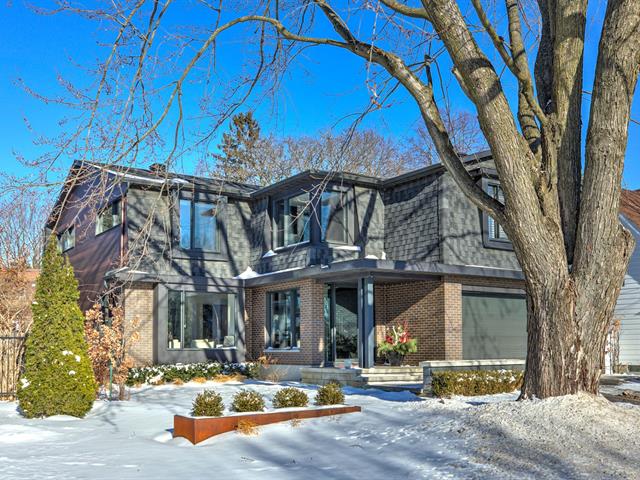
(395, 359)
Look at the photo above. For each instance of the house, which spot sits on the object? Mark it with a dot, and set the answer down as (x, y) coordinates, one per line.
(311, 270)
(627, 310)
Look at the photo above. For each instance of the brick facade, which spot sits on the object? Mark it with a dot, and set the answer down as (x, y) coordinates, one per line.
(139, 306)
(312, 346)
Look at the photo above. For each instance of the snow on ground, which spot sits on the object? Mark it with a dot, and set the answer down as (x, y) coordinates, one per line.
(398, 435)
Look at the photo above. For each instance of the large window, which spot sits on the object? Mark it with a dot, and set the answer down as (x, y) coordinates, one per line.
(284, 319)
(201, 320)
(494, 230)
(199, 226)
(109, 217)
(334, 217)
(67, 239)
(291, 220)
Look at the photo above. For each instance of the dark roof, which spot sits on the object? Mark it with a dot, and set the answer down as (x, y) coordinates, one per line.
(151, 176)
(146, 175)
(630, 206)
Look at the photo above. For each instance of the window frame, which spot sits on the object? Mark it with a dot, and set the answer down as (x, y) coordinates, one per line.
(274, 221)
(232, 304)
(296, 305)
(487, 240)
(346, 206)
(216, 201)
(72, 229)
(117, 201)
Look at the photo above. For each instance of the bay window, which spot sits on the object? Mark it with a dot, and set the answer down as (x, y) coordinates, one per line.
(201, 320)
(291, 220)
(284, 319)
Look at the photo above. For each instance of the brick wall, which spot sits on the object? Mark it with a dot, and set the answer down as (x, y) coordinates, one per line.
(311, 323)
(138, 307)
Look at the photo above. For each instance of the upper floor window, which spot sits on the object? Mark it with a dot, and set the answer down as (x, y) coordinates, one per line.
(110, 217)
(334, 217)
(284, 319)
(494, 229)
(291, 220)
(67, 239)
(198, 225)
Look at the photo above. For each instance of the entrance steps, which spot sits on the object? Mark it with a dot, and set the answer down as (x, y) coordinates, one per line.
(382, 377)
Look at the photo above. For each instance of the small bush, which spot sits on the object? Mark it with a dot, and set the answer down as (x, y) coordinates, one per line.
(475, 382)
(247, 401)
(290, 397)
(207, 404)
(188, 372)
(330, 394)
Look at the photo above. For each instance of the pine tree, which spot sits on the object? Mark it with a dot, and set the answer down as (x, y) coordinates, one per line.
(58, 377)
(240, 146)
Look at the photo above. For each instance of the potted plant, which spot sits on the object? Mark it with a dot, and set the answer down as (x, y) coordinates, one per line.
(397, 344)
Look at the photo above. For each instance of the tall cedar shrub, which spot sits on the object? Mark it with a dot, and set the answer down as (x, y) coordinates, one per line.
(58, 378)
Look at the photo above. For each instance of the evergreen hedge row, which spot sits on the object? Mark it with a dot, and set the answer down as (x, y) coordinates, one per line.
(475, 382)
(188, 371)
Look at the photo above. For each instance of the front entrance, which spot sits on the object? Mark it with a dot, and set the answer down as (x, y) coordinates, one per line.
(341, 324)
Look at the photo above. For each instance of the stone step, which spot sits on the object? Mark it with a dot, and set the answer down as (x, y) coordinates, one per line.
(386, 369)
(396, 386)
(388, 377)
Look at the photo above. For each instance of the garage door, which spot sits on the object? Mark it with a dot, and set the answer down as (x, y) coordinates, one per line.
(493, 326)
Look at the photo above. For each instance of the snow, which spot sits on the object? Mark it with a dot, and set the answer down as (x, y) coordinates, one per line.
(351, 248)
(248, 273)
(398, 435)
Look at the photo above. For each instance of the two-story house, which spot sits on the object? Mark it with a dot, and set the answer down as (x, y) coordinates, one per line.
(311, 270)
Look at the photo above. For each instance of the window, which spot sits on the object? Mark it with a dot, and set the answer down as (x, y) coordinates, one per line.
(67, 239)
(201, 320)
(291, 220)
(110, 217)
(494, 230)
(198, 225)
(334, 217)
(284, 319)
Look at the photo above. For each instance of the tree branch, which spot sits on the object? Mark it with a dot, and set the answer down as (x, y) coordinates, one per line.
(405, 9)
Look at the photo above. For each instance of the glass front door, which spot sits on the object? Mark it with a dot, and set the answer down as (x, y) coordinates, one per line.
(341, 324)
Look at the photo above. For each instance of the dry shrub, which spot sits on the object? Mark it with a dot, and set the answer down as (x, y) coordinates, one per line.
(295, 422)
(234, 377)
(247, 427)
(199, 380)
(178, 382)
(270, 374)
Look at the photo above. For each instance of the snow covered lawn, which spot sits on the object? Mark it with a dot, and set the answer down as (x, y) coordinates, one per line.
(398, 435)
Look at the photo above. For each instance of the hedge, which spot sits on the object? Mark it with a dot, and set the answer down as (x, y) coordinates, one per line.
(475, 382)
(188, 371)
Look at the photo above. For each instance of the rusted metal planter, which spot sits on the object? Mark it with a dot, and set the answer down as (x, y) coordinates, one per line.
(197, 429)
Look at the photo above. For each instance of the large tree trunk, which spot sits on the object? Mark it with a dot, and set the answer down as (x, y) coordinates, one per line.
(568, 320)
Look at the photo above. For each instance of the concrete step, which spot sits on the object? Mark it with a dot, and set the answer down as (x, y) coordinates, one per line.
(389, 377)
(386, 369)
(396, 386)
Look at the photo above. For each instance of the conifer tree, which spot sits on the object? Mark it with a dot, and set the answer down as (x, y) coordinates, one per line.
(58, 378)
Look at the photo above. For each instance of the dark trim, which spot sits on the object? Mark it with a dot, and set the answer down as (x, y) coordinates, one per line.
(487, 242)
(479, 289)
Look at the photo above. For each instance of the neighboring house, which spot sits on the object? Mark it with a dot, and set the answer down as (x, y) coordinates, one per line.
(628, 306)
(310, 271)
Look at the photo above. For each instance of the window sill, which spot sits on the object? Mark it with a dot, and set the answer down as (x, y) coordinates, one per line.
(107, 230)
(292, 245)
(284, 350)
(199, 349)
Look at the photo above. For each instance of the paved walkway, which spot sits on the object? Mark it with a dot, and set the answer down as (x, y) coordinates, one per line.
(621, 388)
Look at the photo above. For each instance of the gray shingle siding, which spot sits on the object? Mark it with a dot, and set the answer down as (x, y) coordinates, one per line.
(152, 230)
(461, 232)
(628, 306)
(411, 220)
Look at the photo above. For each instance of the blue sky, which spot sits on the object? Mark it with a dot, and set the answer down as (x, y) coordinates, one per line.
(325, 86)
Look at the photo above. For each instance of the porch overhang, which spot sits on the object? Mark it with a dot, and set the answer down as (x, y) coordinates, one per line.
(385, 270)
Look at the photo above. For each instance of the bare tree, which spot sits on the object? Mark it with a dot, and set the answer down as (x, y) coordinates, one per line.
(560, 205)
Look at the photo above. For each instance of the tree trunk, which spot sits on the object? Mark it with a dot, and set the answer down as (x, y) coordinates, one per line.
(567, 323)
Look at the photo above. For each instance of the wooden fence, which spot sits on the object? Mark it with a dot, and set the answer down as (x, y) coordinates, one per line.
(11, 362)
